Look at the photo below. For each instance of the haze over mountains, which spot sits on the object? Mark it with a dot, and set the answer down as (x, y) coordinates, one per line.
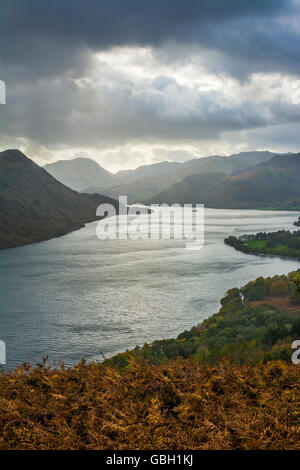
(81, 173)
(273, 184)
(145, 171)
(146, 181)
(35, 206)
(211, 163)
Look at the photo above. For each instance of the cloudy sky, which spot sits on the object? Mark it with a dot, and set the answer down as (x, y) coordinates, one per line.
(139, 81)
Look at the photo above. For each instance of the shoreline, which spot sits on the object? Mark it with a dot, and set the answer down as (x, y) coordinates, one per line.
(257, 253)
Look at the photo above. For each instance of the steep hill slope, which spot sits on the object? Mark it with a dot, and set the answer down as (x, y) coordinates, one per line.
(34, 206)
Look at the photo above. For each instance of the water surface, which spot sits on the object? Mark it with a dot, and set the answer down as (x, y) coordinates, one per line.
(76, 296)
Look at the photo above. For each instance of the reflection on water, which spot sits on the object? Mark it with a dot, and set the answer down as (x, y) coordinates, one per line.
(76, 295)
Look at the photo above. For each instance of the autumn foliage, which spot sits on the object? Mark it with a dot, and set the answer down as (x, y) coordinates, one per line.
(181, 405)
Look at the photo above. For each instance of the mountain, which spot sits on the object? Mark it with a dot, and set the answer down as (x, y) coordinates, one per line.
(35, 207)
(218, 164)
(81, 173)
(144, 171)
(226, 165)
(212, 163)
(271, 184)
(252, 158)
(147, 187)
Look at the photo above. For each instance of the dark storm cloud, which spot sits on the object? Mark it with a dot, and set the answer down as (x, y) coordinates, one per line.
(47, 45)
(47, 37)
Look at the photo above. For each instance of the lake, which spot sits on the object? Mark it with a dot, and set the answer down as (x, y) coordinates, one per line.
(77, 296)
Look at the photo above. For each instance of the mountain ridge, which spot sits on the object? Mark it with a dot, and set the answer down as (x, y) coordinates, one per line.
(274, 183)
(142, 189)
(166, 167)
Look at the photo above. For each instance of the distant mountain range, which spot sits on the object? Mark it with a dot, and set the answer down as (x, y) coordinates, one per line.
(273, 184)
(34, 206)
(212, 163)
(81, 173)
(167, 173)
(140, 184)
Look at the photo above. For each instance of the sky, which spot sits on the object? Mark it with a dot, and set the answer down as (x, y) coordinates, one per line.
(134, 82)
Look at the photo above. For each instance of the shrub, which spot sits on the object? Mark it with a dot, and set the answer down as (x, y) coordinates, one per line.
(279, 288)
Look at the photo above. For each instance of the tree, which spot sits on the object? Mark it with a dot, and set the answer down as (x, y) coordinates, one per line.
(279, 288)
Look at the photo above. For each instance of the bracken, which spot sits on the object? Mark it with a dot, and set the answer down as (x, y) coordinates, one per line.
(182, 405)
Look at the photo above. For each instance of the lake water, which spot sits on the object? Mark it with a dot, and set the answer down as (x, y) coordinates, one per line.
(76, 296)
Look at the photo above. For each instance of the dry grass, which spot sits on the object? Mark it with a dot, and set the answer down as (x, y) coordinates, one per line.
(179, 406)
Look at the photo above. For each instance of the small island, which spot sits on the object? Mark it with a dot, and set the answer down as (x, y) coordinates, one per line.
(281, 243)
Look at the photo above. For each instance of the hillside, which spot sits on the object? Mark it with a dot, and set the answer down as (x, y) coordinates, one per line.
(227, 165)
(145, 188)
(35, 207)
(139, 186)
(145, 171)
(81, 173)
(212, 163)
(138, 191)
(249, 159)
(271, 184)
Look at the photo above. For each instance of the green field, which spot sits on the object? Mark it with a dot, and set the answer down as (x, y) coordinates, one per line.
(257, 244)
(260, 246)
